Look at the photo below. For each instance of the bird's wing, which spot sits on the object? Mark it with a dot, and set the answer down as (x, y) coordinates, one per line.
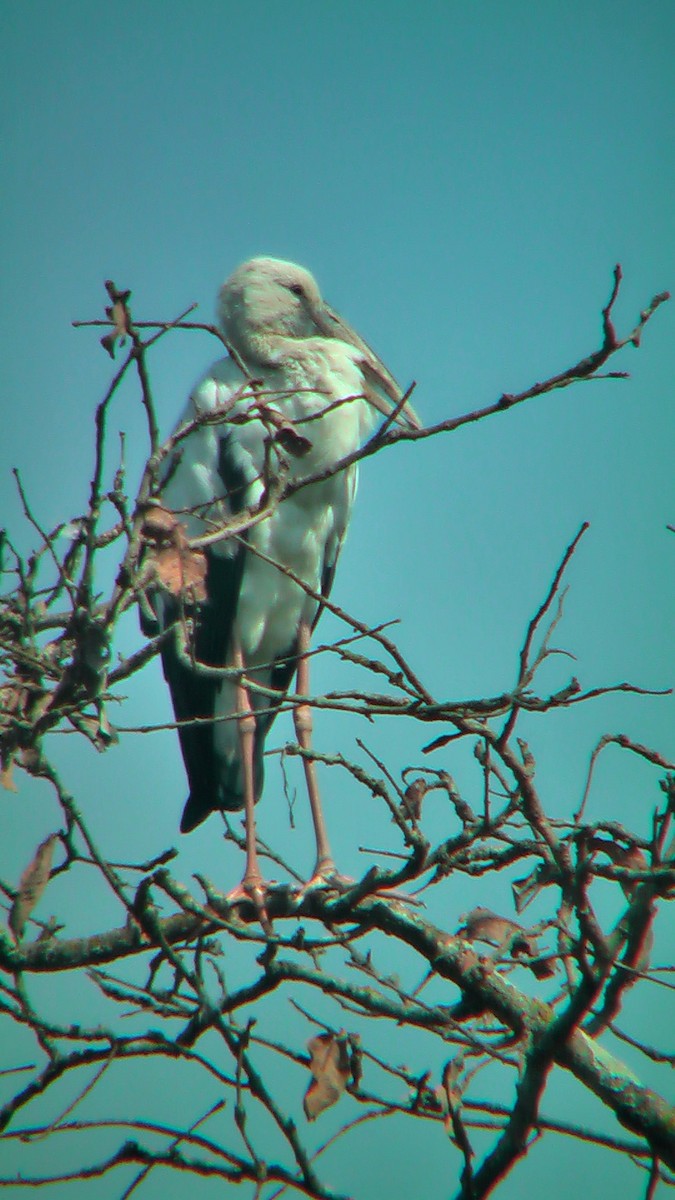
(208, 479)
(335, 542)
(380, 388)
(206, 482)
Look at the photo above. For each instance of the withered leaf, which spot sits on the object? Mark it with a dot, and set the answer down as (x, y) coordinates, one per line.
(13, 697)
(508, 936)
(631, 857)
(450, 1096)
(118, 313)
(181, 569)
(7, 776)
(482, 925)
(452, 1091)
(293, 442)
(30, 759)
(177, 567)
(158, 522)
(98, 729)
(330, 1068)
(286, 433)
(526, 889)
(413, 797)
(31, 885)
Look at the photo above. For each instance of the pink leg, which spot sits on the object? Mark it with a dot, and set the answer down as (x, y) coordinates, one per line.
(302, 717)
(252, 886)
(325, 871)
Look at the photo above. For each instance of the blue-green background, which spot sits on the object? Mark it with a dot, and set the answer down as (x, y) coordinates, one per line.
(461, 178)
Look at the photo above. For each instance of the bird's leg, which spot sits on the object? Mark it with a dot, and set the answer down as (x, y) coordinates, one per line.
(325, 871)
(302, 717)
(252, 886)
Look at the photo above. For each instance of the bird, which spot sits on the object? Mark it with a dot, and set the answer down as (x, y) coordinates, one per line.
(298, 392)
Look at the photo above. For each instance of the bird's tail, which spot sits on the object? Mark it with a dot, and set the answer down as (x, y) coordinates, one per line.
(219, 785)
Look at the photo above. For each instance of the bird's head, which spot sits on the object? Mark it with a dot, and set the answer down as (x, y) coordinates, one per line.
(264, 299)
(268, 301)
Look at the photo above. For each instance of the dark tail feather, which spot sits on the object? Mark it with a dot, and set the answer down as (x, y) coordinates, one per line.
(215, 782)
(226, 792)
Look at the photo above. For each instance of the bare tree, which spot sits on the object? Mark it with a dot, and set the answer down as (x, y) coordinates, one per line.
(186, 980)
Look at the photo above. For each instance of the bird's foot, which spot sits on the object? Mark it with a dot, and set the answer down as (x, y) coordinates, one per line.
(252, 889)
(327, 878)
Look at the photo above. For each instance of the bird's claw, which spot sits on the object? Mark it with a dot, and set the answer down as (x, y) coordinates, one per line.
(327, 878)
(252, 889)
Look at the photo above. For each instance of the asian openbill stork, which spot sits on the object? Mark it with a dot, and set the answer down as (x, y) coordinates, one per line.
(296, 355)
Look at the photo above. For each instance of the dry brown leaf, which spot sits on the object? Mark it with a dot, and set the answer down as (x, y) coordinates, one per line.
(286, 434)
(452, 1092)
(413, 797)
(293, 442)
(181, 569)
(450, 1099)
(98, 729)
(508, 936)
(158, 522)
(330, 1067)
(177, 567)
(526, 889)
(482, 925)
(7, 777)
(31, 885)
(30, 759)
(630, 857)
(15, 696)
(119, 315)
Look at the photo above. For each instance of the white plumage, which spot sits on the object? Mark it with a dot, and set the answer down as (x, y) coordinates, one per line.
(307, 367)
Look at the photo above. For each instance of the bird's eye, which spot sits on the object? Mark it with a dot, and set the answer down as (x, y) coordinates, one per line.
(296, 288)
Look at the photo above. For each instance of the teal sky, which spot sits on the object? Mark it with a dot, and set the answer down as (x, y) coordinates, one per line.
(461, 179)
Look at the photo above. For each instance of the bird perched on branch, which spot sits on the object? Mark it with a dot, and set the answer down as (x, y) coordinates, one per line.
(298, 393)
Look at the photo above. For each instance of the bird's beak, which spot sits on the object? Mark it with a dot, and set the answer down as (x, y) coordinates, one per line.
(382, 390)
